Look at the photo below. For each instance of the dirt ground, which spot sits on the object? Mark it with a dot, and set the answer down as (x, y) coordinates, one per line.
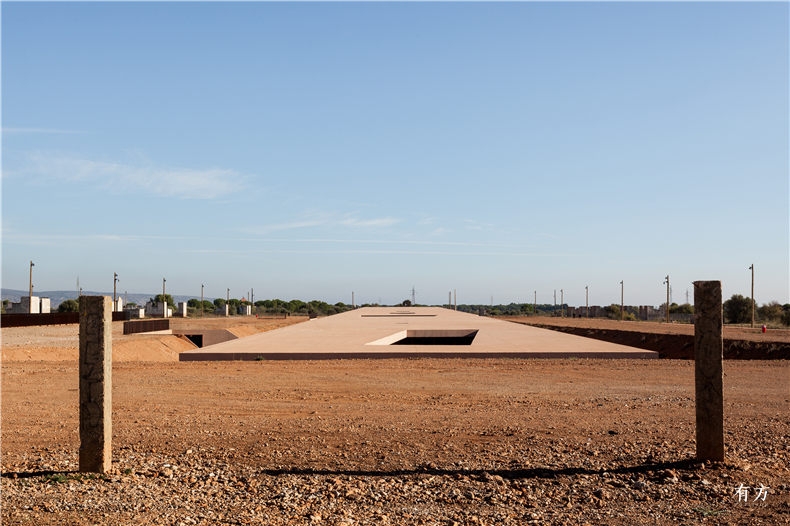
(422, 441)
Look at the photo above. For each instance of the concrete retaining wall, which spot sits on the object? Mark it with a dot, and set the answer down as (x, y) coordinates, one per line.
(135, 327)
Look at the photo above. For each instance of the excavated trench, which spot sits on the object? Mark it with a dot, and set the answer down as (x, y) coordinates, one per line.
(680, 346)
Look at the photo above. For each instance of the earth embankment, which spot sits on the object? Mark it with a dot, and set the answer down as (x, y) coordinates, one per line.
(670, 340)
(61, 342)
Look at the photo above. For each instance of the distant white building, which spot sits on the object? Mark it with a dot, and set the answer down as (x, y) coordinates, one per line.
(157, 309)
(25, 306)
(135, 311)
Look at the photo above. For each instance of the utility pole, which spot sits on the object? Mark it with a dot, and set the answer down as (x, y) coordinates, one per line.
(114, 281)
(30, 291)
(164, 301)
(201, 299)
(413, 295)
(227, 303)
(554, 312)
(562, 303)
(587, 300)
(455, 299)
(450, 299)
(622, 300)
(752, 269)
(666, 280)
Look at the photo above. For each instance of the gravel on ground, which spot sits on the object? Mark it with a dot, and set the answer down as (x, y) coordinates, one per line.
(422, 441)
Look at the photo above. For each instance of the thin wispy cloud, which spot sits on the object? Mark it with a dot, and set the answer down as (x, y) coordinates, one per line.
(12, 234)
(390, 242)
(472, 224)
(326, 220)
(30, 130)
(293, 225)
(184, 183)
(367, 223)
(385, 252)
(55, 240)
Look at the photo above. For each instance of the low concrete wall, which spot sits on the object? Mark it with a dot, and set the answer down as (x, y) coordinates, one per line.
(52, 318)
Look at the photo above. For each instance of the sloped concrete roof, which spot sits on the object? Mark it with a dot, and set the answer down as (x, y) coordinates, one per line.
(369, 333)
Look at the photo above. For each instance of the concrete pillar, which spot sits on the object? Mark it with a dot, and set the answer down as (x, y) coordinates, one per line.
(708, 357)
(31, 304)
(95, 384)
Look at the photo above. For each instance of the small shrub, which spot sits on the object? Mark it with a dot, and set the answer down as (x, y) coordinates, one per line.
(57, 478)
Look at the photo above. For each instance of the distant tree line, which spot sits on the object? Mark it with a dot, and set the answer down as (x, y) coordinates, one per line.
(269, 307)
(738, 309)
(69, 306)
(511, 309)
(261, 307)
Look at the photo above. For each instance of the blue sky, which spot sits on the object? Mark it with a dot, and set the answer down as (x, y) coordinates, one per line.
(309, 150)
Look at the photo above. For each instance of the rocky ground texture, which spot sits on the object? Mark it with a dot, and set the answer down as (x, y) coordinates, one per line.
(420, 441)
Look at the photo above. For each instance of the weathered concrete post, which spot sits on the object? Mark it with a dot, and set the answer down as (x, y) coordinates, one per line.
(95, 384)
(708, 357)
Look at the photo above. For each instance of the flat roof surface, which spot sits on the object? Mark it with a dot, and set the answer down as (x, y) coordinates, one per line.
(370, 332)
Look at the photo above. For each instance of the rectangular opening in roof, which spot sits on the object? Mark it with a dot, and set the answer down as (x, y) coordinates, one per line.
(396, 315)
(438, 337)
(428, 337)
